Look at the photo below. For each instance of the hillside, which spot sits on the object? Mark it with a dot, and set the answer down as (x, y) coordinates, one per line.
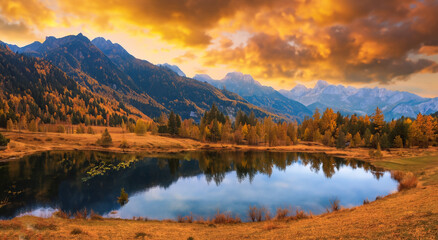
(185, 96)
(262, 96)
(108, 69)
(86, 64)
(34, 88)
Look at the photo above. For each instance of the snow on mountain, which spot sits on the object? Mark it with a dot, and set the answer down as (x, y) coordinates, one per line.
(350, 100)
(254, 92)
(173, 68)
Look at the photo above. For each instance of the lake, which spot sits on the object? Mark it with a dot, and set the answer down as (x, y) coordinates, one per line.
(167, 186)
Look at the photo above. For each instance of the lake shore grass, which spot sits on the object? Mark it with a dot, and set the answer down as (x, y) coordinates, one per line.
(409, 214)
(26, 143)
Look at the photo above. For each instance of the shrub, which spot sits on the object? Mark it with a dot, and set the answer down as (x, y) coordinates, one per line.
(81, 214)
(397, 175)
(76, 231)
(366, 201)
(335, 205)
(378, 153)
(258, 214)
(186, 219)
(225, 218)
(105, 140)
(90, 130)
(95, 216)
(44, 226)
(3, 141)
(80, 129)
(60, 129)
(62, 214)
(124, 144)
(300, 214)
(140, 235)
(123, 199)
(140, 127)
(405, 180)
(409, 181)
(282, 213)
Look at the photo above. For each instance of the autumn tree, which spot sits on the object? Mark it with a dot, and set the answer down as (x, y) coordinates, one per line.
(378, 120)
(357, 140)
(105, 140)
(140, 127)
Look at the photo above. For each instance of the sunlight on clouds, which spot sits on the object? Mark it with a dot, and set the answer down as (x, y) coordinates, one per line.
(342, 41)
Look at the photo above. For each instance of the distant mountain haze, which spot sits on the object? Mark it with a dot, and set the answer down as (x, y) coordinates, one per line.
(107, 69)
(350, 100)
(259, 95)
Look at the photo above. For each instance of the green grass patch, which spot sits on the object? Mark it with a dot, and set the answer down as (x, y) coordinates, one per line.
(424, 167)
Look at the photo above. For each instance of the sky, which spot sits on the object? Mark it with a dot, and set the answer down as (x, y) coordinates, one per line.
(383, 43)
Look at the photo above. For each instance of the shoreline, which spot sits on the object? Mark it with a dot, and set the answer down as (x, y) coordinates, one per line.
(27, 143)
(411, 213)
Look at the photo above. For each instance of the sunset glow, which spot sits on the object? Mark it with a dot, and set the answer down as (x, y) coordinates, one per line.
(280, 43)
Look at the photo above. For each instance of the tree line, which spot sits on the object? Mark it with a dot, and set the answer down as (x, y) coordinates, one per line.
(329, 128)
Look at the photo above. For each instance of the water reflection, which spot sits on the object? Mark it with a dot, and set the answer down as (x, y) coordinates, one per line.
(200, 182)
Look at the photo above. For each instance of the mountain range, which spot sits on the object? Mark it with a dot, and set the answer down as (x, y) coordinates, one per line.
(107, 69)
(34, 87)
(259, 95)
(350, 100)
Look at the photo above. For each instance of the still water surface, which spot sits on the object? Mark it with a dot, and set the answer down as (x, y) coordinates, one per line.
(200, 183)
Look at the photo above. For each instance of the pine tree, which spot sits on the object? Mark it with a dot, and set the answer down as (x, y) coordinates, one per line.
(340, 142)
(171, 124)
(378, 120)
(398, 142)
(123, 199)
(105, 140)
(3, 141)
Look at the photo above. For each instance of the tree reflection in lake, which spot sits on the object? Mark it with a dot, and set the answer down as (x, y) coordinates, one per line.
(80, 179)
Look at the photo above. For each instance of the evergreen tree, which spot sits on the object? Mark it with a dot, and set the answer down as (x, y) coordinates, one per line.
(378, 120)
(3, 141)
(123, 199)
(398, 142)
(171, 124)
(340, 142)
(105, 140)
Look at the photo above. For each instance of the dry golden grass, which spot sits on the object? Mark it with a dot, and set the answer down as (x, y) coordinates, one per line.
(409, 214)
(408, 181)
(26, 143)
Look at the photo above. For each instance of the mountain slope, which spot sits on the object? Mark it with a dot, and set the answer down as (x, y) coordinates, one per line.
(90, 67)
(255, 93)
(34, 87)
(349, 100)
(185, 96)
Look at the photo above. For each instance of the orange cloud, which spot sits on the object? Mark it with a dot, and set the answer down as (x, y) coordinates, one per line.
(287, 40)
(184, 58)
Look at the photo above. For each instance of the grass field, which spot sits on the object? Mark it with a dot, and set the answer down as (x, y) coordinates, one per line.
(410, 214)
